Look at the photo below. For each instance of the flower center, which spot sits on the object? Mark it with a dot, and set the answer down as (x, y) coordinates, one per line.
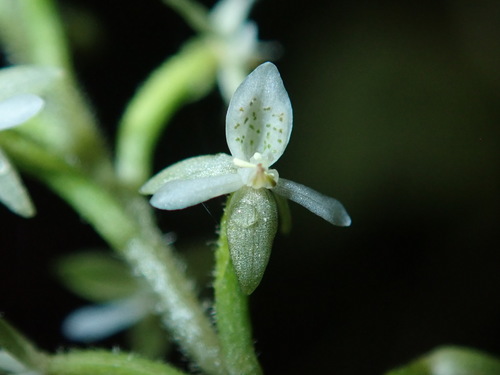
(256, 173)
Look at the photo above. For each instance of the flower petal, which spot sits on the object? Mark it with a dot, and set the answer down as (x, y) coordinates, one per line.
(179, 194)
(22, 79)
(236, 59)
(227, 16)
(259, 117)
(18, 109)
(12, 191)
(252, 221)
(326, 207)
(197, 167)
(96, 322)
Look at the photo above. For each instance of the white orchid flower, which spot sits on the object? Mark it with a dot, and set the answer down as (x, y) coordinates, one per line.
(258, 128)
(14, 111)
(236, 41)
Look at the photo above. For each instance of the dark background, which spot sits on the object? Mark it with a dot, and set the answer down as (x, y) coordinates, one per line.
(397, 112)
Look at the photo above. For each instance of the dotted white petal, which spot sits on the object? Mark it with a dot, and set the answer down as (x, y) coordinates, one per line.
(179, 194)
(18, 109)
(325, 207)
(259, 117)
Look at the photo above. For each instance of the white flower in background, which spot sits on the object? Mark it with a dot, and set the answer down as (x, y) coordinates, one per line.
(14, 111)
(18, 109)
(236, 41)
(258, 128)
(96, 322)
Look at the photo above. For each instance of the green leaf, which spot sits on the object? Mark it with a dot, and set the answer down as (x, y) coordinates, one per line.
(97, 276)
(252, 221)
(452, 361)
(19, 347)
(101, 362)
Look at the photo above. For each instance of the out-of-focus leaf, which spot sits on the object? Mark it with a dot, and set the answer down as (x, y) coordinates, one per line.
(452, 361)
(96, 276)
(148, 338)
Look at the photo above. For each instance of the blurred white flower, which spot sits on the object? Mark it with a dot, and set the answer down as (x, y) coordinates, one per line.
(14, 111)
(99, 321)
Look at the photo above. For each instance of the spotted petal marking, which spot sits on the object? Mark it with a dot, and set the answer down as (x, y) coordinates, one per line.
(259, 117)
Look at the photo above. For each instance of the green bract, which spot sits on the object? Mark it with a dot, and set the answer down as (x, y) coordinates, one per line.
(258, 128)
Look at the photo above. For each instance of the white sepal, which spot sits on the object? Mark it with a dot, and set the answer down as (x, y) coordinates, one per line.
(252, 221)
(229, 15)
(259, 117)
(96, 322)
(22, 79)
(18, 109)
(325, 207)
(196, 167)
(179, 194)
(12, 191)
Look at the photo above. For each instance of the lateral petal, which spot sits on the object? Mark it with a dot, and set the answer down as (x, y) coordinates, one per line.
(325, 207)
(179, 194)
(196, 167)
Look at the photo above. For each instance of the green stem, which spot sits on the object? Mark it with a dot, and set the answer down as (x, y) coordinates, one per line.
(232, 315)
(100, 362)
(182, 78)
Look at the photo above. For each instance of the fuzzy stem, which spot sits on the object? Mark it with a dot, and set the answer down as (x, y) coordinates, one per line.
(232, 316)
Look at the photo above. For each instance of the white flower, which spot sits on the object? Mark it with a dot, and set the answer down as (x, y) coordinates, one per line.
(258, 128)
(236, 42)
(14, 111)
